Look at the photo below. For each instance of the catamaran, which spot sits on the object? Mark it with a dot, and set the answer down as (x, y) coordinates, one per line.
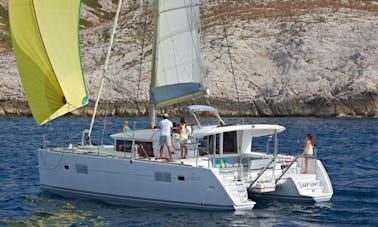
(221, 172)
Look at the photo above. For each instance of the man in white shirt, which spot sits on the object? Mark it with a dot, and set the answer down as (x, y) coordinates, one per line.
(165, 126)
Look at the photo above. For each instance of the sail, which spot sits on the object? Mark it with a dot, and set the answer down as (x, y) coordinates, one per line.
(176, 73)
(45, 38)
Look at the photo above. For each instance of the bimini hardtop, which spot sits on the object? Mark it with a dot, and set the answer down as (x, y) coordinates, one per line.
(201, 131)
(254, 130)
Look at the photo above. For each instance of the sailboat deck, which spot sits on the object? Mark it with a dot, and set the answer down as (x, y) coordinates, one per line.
(109, 152)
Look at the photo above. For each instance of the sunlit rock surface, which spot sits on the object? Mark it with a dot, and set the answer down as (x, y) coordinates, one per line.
(294, 59)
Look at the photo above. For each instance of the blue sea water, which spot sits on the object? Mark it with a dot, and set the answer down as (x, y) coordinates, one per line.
(348, 149)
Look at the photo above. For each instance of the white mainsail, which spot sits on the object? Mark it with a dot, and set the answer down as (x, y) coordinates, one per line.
(177, 74)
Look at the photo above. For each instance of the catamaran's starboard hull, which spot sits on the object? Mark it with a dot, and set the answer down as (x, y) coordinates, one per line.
(297, 187)
(287, 198)
(134, 182)
(287, 191)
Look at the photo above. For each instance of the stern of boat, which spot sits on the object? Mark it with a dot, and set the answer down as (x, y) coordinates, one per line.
(235, 188)
(314, 186)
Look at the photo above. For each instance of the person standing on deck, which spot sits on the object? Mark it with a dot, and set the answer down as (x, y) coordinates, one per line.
(308, 150)
(184, 134)
(165, 126)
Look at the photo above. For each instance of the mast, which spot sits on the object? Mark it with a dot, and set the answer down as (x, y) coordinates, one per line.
(152, 113)
(103, 71)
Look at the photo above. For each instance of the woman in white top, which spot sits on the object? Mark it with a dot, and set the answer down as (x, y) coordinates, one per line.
(308, 150)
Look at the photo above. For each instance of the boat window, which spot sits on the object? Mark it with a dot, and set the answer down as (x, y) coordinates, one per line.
(163, 176)
(263, 144)
(229, 143)
(123, 145)
(145, 149)
(81, 168)
(211, 144)
(203, 146)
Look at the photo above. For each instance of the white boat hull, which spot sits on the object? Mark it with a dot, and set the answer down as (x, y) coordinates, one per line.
(298, 187)
(123, 181)
(129, 173)
(287, 191)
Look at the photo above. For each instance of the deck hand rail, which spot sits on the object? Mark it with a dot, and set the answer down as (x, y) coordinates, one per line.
(262, 171)
(288, 167)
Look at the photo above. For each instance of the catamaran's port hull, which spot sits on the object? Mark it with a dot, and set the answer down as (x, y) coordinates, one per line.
(129, 201)
(134, 182)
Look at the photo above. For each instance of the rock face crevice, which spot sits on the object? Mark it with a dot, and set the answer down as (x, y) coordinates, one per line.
(315, 58)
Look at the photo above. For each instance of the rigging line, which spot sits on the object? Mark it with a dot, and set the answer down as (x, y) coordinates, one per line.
(174, 59)
(103, 72)
(108, 125)
(104, 127)
(142, 50)
(69, 106)
(228, 49)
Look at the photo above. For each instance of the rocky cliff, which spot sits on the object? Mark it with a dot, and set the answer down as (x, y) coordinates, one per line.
(260, 58)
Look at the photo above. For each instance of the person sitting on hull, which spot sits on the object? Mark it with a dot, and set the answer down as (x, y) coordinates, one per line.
(125, 127)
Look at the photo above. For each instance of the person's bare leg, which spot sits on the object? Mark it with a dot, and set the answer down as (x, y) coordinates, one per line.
(182, 152)
(170, 153)
(161, 152)
(306, 165)
(185, 149)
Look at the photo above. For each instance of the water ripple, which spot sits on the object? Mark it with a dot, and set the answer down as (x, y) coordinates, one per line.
(348, 149)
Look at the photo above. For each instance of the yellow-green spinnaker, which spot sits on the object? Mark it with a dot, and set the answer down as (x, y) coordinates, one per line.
(45, 39)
